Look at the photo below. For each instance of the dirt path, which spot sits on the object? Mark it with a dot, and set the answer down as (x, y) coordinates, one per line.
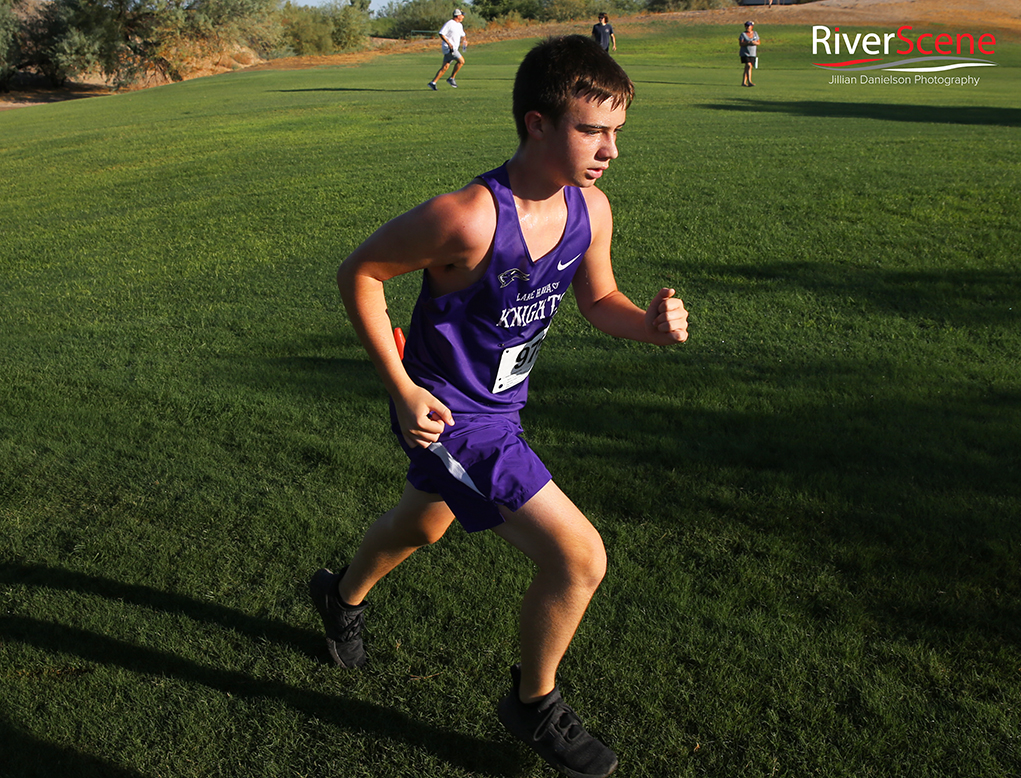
(980, 15)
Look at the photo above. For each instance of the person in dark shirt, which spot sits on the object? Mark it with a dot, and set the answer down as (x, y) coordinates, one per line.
(603, 33)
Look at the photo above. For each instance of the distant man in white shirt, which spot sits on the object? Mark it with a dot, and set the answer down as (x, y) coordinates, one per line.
(452, 33)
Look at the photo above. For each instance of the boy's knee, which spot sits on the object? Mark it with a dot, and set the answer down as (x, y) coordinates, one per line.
(421, 529)
(429, 534)
(598, 565)
(588, 563)
(424, 533)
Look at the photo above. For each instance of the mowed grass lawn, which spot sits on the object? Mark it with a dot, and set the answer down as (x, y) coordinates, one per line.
(810, 509)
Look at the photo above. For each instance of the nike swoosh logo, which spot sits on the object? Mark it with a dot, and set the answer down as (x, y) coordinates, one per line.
(565, 265)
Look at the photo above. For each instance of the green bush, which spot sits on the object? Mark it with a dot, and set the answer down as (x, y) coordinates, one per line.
(307, 30)
(337, 26)
(381, 27)
(412, 17)
(401, 19)
(127, 39)
(10, 48)
(660, 6)
(501, 9)
(350, 23)
(566, 10)
(69, 37)
(553, 10)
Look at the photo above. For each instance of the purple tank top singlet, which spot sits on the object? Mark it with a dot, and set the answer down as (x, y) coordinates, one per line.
(473, 349)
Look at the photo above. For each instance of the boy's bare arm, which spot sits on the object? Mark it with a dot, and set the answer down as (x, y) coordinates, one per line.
(663, 323)
(440, 235)
(365, 301)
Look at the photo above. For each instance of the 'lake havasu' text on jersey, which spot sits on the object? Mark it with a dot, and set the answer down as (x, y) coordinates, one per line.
(473, 349)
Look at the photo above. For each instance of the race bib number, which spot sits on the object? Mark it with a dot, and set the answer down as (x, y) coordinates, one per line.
(516, 363)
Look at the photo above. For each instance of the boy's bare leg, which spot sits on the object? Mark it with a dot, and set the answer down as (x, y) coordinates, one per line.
(417, 520)
(339, 598)
(441, 71)
(551, 531)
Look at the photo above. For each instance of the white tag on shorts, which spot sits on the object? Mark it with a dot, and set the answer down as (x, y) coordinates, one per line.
(516, 363)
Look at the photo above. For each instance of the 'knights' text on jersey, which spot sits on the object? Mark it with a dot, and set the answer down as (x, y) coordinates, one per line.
(473, 349)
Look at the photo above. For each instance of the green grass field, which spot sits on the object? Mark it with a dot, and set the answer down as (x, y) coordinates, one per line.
(811, 509)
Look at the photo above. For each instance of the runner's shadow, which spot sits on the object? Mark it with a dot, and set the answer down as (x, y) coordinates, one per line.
(344, 89)
(468, 753)
(23, 755)
(44, 576)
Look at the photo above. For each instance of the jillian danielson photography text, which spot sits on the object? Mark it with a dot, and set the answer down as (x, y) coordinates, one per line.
(916, 80)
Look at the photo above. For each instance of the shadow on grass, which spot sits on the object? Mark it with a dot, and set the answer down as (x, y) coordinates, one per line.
(887, 467)
(24, 756)
(882, 488)
(963, 297)
(346, 89)
(308, 376)
(926, 114)
(469, 753)
(273, 630)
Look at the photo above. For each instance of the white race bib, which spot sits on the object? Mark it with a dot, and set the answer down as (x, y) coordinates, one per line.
(516, 363)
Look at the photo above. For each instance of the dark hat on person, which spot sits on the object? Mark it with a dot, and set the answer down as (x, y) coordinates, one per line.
(749, 24)
(458, 12)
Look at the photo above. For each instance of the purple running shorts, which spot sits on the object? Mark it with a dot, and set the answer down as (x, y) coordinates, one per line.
(479, 464)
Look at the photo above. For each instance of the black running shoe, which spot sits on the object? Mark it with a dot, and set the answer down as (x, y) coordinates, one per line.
(343, 623)
(551, 729)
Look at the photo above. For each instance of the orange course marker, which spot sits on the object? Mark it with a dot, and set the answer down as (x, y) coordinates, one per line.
(399, 340)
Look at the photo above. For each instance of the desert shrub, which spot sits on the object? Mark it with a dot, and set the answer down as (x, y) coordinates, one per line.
(503, 9)
(381, 27)
(566, 10)
(687, 5)
(67, 38)
(127, 39)
(509, 21)
(555, 10)
(10, 43)
(307, 30)
(350, 23)
(414, 16)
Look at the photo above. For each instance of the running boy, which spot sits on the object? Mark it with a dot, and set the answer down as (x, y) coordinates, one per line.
(451, 34)
(498, 256)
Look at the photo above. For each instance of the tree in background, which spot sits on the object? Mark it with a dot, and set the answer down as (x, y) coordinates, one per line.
(336, 26)
(128, 39)
(662, 6)
(350, 23)
(568, 10)
(508, 9)
(10, 43)
(414, 16)
(307, 30)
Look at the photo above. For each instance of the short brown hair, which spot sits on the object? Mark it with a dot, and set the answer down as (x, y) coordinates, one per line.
(561, 68)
